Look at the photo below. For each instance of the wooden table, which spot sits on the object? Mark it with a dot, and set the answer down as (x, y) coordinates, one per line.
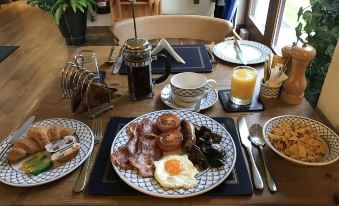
(296, 184)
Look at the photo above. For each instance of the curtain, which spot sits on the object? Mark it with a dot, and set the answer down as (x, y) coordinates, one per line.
(226, 9)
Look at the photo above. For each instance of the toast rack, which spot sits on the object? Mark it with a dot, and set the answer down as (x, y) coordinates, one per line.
(84, 90)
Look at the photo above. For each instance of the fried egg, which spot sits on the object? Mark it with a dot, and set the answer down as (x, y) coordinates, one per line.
(174, 171)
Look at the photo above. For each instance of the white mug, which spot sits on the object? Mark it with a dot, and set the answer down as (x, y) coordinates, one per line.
(187, 87)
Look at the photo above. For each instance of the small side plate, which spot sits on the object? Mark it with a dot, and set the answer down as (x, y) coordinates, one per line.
(10, 174)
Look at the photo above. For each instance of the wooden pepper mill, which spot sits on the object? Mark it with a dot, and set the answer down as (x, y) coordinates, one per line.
(286, 52)
(295, 85)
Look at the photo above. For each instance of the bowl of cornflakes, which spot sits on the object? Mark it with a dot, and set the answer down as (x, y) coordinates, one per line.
(302, 140)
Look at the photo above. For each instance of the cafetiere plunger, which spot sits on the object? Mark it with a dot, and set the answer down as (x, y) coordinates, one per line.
(137, 56)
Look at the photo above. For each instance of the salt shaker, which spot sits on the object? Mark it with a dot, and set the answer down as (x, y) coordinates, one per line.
(295, 85)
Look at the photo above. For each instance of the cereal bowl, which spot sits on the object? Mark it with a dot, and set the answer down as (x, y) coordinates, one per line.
(329, 139)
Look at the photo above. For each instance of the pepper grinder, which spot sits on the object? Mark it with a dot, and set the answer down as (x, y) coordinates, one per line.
(286, 52)
(295, 85)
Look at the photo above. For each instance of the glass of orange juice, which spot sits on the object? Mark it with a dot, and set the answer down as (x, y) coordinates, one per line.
(243, 84)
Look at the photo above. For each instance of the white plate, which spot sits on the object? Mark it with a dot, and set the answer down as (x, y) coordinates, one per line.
(326, 133)
(10, 175)
(253, 52)
(167, 97)
(207, 180)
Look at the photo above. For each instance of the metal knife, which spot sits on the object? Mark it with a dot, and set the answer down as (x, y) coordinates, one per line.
(239, 52)
(244, 133)
(117, 65)
(18, 134)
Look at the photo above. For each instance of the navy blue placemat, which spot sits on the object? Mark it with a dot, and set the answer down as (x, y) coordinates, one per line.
(256, 104)
(5, 51)
(195, 56)
(105, 181)
(102, 75)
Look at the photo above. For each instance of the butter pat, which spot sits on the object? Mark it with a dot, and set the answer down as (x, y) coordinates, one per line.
(36, 164)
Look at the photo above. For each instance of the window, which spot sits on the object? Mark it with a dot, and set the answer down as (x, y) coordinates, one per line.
(258, 13)
(277, 29)
(285, 32)
(273, 22)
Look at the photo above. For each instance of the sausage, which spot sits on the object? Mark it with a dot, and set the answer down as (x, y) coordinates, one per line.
(189, 134)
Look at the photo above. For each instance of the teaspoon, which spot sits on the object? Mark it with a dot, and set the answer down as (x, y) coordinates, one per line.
(258, 140)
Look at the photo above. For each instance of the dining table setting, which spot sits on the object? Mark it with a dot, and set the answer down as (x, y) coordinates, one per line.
(171, 124)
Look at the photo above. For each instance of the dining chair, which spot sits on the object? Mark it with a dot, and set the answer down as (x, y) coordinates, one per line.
(328, 100)
(193, 27)
(154, 7)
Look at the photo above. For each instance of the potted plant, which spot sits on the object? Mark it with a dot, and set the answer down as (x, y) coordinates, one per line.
(319, 28)
(70, 15)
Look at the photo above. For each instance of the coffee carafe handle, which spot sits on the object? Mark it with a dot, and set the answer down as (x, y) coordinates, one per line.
(165, 75)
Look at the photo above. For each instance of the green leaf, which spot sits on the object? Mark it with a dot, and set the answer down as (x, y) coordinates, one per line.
(308, 29)
(81, 8)
(298, 30)
(83, 3)
(330, 50)
(73, 5)
(313, 2)
(335, 30)
(58, 14)
(93, 2)
(307, 16)
(300, 12)
(65, 6)
(90, 7)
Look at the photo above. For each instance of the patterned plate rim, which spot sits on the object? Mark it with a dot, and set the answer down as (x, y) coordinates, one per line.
(174, 196)
(263, 48)
(289, 158)
(63, 174)
(183, 108)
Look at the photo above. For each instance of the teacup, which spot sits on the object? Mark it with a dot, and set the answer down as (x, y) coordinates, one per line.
(188, 87)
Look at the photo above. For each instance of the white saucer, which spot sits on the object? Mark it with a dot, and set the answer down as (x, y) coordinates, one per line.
(167, 97)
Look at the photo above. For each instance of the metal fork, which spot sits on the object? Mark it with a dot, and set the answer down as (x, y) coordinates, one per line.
(209, 49)
(82, 179)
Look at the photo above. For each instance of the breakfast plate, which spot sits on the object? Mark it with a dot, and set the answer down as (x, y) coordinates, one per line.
(11, 175)
(206, 180)
(254, 52)
(206, 102)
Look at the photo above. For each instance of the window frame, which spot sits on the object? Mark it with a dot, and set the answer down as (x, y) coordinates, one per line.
(273, 21)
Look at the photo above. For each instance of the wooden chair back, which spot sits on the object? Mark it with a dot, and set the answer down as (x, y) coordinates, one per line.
(118, 13)
(194, 27)
(328, 101)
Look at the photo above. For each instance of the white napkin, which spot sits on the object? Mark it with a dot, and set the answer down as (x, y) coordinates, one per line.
(276, 77)
(163, 44)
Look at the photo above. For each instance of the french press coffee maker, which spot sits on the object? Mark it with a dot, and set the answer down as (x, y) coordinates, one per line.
(138, 59)
(137, 56)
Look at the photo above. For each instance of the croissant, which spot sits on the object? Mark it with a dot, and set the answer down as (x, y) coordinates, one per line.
(36, 139)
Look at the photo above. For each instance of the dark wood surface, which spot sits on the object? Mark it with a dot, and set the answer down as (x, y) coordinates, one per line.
(296, 184)
(24, 79)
